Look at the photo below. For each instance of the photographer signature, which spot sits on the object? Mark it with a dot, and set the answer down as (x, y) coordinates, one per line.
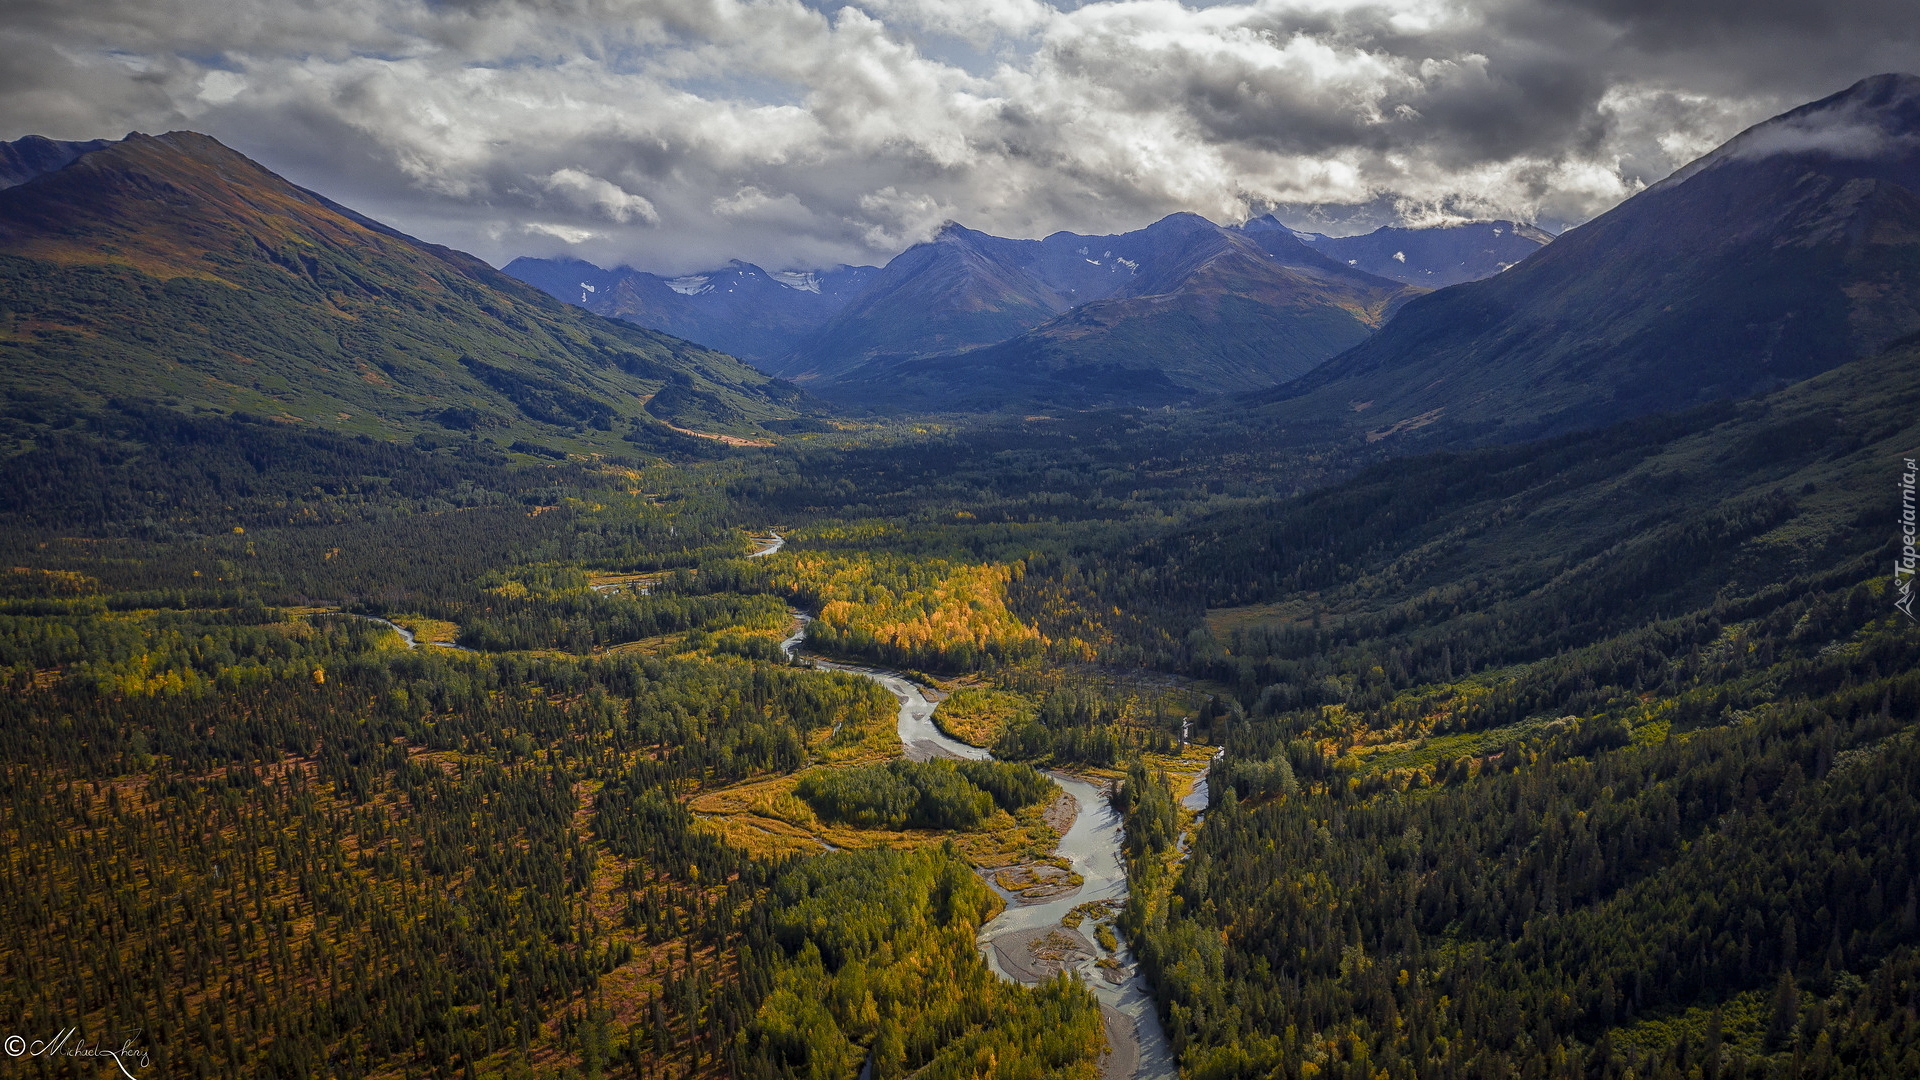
(128, 1053)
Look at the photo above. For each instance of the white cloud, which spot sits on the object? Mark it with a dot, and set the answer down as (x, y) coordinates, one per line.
(605, 196)
(1846, 140)
(221, 87)
(752, 204)
(674, 134)
(566, 233)
(977, 22)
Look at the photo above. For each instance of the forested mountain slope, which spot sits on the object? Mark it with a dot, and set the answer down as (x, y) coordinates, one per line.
(1568, 759)
(173, 270)
(1793, 248)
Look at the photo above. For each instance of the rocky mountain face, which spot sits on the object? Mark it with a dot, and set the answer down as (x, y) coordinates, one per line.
(34, 155)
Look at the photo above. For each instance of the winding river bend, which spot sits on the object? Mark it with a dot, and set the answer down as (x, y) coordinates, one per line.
(1092, 844)
(406, 635)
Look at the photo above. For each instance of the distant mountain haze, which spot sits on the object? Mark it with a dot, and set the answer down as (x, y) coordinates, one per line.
(740, 308)
(1181, 308)
(1201, 309)
(961, 289)
(174, 271)
(1434, 257)
(24, 159)
(1789, 250)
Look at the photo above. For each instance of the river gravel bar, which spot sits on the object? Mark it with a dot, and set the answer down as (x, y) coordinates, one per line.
(1036, 955)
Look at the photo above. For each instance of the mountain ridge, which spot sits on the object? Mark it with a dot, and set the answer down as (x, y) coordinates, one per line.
(740, 308)
(1039, 303)
(35, 155)
(959, 289)
(1212, 312)
(1740, 274)
(1433, 257)
(175, 269)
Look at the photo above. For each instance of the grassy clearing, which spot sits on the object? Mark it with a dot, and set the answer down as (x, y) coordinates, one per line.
(428, 631)
(765, 817)
(1183, 769)
(1222, 622)
(598, 579)
(1423, 752)
(977, 717)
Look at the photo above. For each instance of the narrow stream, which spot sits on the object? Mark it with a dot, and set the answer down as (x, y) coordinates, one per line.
(1201, 797)
(1092, 844)
(406, 635)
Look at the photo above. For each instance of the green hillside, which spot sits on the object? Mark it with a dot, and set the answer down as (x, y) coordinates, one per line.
(1594, 754)
(174, 271)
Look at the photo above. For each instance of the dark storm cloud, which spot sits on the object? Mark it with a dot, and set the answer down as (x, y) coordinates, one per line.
(1666, 25)
(676, 133)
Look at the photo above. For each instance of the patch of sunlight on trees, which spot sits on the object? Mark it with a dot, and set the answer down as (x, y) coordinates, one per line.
(884, 969)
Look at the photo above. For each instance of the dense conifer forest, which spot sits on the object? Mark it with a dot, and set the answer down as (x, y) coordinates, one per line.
(408, 675)
(1585, 758)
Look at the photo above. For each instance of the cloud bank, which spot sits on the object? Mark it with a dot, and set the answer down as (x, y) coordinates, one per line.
(674, 134)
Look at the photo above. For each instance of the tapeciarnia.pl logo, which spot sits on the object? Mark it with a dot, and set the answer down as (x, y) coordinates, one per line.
(1903, 566)
(63, 1045)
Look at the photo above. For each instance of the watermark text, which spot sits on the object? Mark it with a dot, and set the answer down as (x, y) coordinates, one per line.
(128, 1056)
(1903, 564)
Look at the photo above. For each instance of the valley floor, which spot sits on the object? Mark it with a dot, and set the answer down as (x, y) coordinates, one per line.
(1592, 757)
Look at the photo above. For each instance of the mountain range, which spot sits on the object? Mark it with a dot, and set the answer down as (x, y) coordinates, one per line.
(175, 271)
(1788, 250)
(23, 159)
(739, 308)
(389, 707)
(1792, 248)
(172, 269)
(1181, 308)
(1432, 257)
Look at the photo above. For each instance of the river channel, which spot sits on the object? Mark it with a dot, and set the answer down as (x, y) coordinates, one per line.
(1092, 844)
(406, 635)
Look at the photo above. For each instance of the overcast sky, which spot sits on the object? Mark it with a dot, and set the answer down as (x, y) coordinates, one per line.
(675, 134)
